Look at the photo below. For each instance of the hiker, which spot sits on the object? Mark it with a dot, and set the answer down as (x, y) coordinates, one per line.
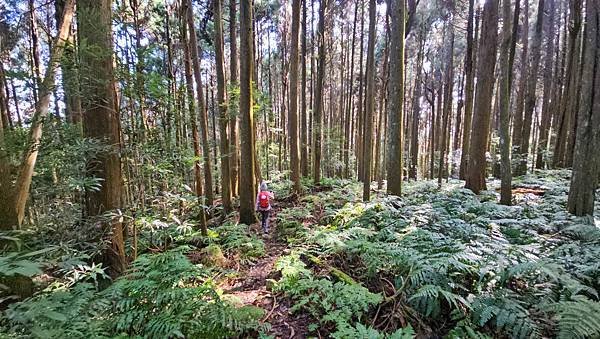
(263, 205)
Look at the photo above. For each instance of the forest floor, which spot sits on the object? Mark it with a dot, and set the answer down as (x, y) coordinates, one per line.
(434, 263)
(249, 287)
(372, 270)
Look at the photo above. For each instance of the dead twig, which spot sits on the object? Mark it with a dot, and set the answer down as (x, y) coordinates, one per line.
(272, 309)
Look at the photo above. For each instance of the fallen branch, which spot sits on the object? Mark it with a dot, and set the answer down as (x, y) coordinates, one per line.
(272, 309)
(337, 273)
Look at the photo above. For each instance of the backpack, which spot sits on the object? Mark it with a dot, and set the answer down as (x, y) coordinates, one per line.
(263, 200)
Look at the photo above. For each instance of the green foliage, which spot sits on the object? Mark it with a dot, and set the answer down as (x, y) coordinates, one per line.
(579, 318)
(237, 238)
(292, 270)
(162, 295)
(167, 296)
(334, 304)
(428, 298)
(290, 223)
(364, 332)
(505, 313)
(61, 313)
(522, 271)
(21, 264)
(466, 330)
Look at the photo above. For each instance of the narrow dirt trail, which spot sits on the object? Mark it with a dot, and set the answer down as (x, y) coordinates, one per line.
(249, 287)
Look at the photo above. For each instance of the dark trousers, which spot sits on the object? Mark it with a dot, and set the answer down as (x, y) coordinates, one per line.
(265, 219)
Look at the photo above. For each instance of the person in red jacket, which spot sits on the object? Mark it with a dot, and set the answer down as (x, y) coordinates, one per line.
(263, 205)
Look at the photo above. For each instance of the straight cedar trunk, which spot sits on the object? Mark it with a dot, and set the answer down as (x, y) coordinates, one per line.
(507, 57)
(282, 138)
(416, 109)
(318, 97)
(233, 107)
(247, 170)
(35, 53)
(70, 75)
(172, 114)
(189, 80)
(447, 108)
(432, 134)
(222, 105)
(213, 115)
(397, 13)
(458, 122)
(293, 118)
(202, 112)
(303, 111)
(476, 175)
(569, 97)
(139, 85)
(586, 160)
(348, 131)
(7, 95)
(380, 156)
(370, 102)
(7, 210)
(532, 75)
(341, 110)
(12, 211)
(360, 130)
(469, 91)
(548, 100)
(522, 89)
(4, 110)
(101, 122)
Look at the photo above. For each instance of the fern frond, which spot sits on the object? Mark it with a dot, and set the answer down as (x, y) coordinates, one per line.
(578, 318)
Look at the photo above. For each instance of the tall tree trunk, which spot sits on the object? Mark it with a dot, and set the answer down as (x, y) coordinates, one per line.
(213, 115)
(70, 76)
(195, 55)
(548, 101)
(349, 132)
(360, 105)
(586, 161)
(469, 92)
(522, 89)
(101, 122)
(247, 133)
(370, 104)
(189, 80)
(222, 104)
(303, 111)
(233, 107)
(569, 97)
(293, 118)
(17, 198)
(507, 57)
(432, 134)
(397, 13)
(416, 109)
(35, 53)
(139, 84)
(532, 76)
(4, 110)
(318, 97)
(7, 210)
(476, 173)
(447, 110)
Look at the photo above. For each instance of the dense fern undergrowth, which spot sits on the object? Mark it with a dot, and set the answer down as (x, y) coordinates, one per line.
(434, 263)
